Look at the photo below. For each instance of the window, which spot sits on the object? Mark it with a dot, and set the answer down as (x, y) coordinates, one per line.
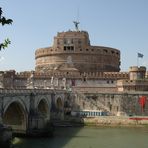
(72, 48)
(105, 50)
(69, 48)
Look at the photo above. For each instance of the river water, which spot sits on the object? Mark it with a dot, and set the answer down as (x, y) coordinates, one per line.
(88, 137)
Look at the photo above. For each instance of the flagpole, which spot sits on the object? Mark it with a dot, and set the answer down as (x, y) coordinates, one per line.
(137, 60)
(139, 55)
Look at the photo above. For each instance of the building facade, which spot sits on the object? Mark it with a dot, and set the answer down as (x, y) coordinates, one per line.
(73, 47)
(73, 63)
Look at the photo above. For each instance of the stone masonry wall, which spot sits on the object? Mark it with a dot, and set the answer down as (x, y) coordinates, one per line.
(113, 103)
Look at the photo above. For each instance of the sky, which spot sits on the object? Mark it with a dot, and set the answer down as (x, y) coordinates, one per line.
(121, 24)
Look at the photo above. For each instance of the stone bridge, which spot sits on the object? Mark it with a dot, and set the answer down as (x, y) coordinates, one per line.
(29, 109)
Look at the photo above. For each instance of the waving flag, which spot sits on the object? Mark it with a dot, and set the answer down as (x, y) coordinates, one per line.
(140, 55)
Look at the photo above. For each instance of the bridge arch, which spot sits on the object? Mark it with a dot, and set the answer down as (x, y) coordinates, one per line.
(59, 104)
(57, 108)
(43, 108)
(15, 115)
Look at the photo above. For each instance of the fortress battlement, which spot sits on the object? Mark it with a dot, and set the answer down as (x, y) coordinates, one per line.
(75, 45)
(72, 60)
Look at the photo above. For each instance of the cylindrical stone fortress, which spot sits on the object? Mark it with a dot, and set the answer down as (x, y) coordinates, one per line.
(73, 47)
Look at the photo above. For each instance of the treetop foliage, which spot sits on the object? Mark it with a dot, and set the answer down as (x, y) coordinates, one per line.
(4, 21)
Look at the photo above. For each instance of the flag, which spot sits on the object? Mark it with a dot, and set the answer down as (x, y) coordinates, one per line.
(140, 55)
(142, 102)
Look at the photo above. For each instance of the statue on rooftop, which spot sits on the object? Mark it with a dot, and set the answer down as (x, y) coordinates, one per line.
(76, 23)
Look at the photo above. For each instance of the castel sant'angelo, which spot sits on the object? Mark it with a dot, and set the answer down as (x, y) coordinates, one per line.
(73, 47)
(91, 73)
(72, 63)
(73, 80)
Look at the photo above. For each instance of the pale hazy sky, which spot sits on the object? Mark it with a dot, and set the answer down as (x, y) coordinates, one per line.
(121, 24)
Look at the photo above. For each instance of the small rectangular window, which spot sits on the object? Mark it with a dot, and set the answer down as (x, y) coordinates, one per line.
(64, 47)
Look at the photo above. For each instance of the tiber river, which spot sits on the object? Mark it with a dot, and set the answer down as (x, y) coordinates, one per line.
(88, 137)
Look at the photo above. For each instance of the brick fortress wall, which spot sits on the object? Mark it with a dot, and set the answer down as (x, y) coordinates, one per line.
(74, 47)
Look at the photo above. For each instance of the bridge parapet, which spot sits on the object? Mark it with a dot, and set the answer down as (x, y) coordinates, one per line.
(28, 91)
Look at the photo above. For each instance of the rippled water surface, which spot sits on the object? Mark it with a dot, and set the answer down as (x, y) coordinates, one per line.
(89, 138)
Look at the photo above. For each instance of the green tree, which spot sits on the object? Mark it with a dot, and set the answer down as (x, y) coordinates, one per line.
(4, 21)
